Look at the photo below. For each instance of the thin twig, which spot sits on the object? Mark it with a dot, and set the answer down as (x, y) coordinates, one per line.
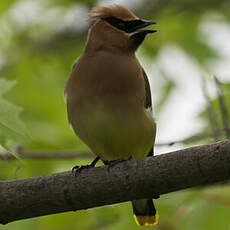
(223, 107)
(211, 114)
(194, 138)
(69, 154)
(46, 154)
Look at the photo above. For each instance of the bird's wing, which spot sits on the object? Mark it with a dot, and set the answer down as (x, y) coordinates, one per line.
(148, 99)
(148, 102)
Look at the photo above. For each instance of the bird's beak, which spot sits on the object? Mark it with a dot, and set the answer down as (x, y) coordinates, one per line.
(137, 24)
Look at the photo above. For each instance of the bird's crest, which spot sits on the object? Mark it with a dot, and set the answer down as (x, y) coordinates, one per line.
(116, 11)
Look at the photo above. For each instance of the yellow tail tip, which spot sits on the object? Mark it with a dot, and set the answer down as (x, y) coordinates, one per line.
(146, 220)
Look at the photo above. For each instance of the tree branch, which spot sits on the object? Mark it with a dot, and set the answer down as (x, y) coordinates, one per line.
(132, 179)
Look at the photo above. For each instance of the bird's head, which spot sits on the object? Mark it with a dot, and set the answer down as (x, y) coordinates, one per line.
(117, 28)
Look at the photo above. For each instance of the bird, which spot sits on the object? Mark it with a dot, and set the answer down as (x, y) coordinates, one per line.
(108, 95)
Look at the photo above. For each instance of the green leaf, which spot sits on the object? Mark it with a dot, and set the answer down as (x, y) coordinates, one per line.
(12, 129)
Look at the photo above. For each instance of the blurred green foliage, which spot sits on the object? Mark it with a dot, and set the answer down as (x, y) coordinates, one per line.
(37, 52)
(12, 128)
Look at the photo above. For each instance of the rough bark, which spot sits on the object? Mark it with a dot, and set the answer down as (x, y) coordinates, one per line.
(129, 180)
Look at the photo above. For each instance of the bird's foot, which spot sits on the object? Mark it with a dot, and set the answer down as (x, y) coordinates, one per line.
(78, 169)
(156, 197)
(112, 163)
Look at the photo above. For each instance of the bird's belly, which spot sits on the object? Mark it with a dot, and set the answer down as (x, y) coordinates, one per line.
(112, 135)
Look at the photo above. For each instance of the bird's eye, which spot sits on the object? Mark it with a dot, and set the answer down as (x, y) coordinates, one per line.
(121, 25)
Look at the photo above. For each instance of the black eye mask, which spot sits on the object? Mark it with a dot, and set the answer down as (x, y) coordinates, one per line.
(128, 26)
(116, 22)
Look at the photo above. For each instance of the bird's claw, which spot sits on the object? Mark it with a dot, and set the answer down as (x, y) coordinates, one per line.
(156, 197)
(117, 161)
(78, 169)
(112, 163)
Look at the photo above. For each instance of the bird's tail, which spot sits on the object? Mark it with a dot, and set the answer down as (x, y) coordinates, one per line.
(145, 213)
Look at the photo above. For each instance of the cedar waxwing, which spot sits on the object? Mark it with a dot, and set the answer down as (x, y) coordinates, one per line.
(108, 95)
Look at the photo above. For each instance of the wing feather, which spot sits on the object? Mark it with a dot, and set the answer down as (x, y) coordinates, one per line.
(148, 102)
(148, 98)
